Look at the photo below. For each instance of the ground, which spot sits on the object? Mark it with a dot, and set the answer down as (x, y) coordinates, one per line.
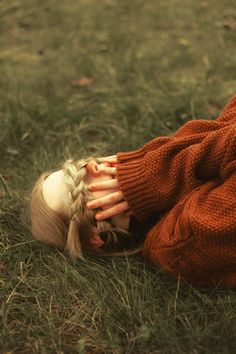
(89, 77)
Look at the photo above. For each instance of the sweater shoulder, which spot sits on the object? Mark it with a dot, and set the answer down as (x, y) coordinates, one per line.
(228, 116)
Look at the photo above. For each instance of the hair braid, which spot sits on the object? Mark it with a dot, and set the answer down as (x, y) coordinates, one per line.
(75, 173)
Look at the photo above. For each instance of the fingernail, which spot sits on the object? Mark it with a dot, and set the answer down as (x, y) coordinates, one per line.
(90, 205)
(98, 216)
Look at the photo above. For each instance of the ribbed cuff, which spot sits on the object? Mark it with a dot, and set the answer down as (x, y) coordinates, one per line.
(133, 181)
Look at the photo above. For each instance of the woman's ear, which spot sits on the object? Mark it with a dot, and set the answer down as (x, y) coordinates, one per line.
(96, 241)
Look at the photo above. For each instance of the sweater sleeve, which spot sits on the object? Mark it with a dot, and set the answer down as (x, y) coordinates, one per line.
(154, 178)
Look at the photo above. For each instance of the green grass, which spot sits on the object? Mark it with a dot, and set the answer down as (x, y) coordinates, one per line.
(154, 65)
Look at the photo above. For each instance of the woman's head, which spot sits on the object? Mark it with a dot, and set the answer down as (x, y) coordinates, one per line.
(60, 218)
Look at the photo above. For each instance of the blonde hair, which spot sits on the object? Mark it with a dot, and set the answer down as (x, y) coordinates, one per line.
(74, 230)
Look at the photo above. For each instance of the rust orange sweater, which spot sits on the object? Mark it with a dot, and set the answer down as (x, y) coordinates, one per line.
(190, 179)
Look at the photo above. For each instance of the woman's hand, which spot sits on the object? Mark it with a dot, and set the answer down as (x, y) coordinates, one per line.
(112, 203)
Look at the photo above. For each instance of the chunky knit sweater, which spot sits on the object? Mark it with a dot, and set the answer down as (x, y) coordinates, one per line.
(189, 179)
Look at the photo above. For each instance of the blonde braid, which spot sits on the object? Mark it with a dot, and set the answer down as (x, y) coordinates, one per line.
(75, 173)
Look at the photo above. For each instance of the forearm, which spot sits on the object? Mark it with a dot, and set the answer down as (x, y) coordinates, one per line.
(154, 178)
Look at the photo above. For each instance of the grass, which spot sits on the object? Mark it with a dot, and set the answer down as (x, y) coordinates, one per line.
(150, 67)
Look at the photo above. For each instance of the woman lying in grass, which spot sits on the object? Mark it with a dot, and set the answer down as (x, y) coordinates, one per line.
(173, 200)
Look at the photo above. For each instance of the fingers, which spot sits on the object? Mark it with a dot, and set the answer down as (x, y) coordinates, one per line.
(110, 159)
(108, 199)
(105, 170)
(104, 185)
(114, 210)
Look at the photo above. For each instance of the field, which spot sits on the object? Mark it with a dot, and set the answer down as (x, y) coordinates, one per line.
(89, 77)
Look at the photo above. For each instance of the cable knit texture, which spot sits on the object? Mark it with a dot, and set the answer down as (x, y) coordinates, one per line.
(189, 179)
